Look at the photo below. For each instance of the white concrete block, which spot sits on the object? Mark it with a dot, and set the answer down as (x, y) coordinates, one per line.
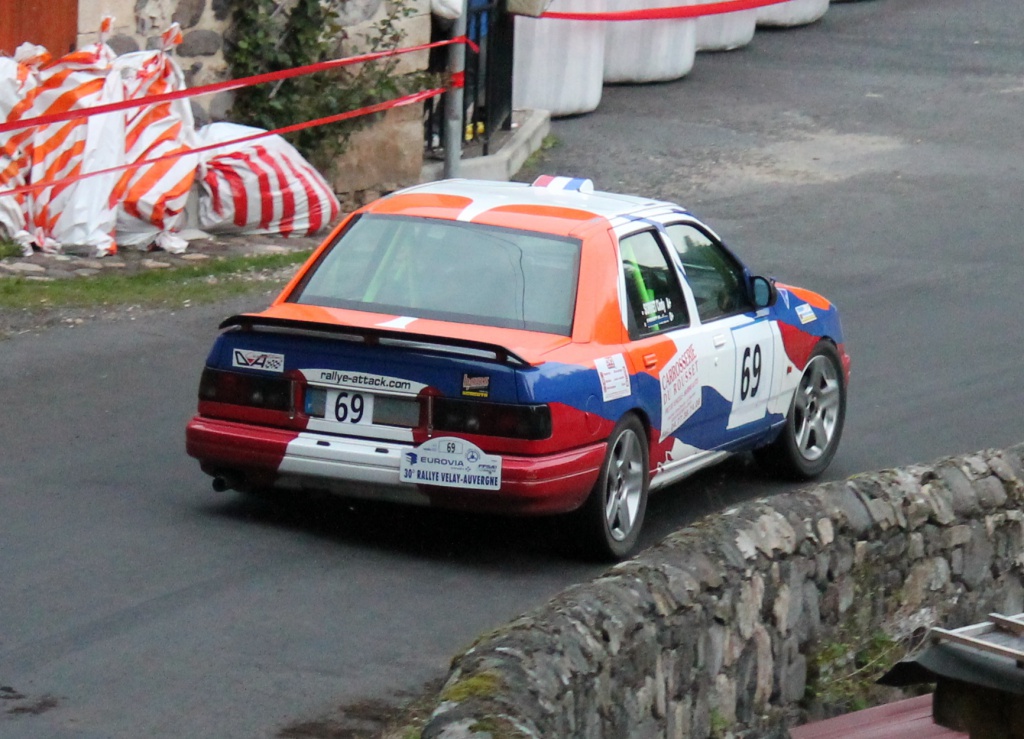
(648, 51)
(792, 13)
(726, 31)
(559, 65)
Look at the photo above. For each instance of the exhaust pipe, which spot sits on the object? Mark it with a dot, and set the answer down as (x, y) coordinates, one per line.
(225, 482)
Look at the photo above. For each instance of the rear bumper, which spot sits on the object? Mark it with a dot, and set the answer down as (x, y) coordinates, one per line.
(248, 455)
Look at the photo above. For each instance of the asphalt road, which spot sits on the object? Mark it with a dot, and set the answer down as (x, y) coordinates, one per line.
(875, 156)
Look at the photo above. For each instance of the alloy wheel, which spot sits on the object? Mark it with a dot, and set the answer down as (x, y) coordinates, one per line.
(817, 408)
(624, 486)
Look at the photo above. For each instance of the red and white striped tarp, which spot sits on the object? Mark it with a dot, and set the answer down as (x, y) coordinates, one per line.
(151, 199)
(18, 77)
(262, 186)
(258, 186)
(75, 213)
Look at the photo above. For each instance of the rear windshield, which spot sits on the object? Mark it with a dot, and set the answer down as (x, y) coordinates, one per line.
(448, 270)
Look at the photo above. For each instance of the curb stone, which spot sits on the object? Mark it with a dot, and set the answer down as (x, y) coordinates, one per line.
(78, 262)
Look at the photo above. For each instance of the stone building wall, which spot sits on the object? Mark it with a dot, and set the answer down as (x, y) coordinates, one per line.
(395, 150)
(758, 618)
(139, 23)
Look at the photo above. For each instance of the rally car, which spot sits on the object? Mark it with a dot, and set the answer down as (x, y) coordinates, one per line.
(528, 349)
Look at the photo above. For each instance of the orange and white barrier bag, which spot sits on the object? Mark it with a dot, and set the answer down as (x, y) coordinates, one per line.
(261, 186)
(151, 199)
(78, 213)
(18, 77)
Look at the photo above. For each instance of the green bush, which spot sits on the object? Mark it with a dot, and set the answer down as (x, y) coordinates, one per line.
(266, 37)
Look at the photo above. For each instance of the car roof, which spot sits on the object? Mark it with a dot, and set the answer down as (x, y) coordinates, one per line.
(557, 205)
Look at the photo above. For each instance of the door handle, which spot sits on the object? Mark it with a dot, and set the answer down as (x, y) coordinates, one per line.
(650, 361)
(719, 341)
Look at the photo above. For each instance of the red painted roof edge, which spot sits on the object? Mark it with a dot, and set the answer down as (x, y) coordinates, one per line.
(905, 719)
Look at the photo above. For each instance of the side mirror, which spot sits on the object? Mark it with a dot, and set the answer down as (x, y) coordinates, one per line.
(765, 292)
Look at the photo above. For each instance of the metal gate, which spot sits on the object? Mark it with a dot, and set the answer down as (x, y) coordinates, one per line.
(487, 96)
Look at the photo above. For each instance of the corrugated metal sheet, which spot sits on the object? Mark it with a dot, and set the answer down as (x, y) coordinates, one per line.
(906, 719)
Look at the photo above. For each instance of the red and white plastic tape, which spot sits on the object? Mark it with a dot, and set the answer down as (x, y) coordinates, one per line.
(52, 141)
(658, 14)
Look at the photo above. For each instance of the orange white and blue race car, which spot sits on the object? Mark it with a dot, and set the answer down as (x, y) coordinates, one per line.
(528, 349)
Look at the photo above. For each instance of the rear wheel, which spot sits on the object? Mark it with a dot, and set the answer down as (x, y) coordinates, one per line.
(613, 514)
(814, 425)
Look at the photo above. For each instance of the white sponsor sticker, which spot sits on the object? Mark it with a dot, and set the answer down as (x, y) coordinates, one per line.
(614, 377)
(452, 463)
(257, 360)
(361, 381)
(806, 313)
(680, 390)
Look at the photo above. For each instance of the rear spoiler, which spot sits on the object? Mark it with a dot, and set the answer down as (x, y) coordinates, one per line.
(480, 350)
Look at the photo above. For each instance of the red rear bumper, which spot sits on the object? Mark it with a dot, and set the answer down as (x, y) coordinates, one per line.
(244, 453)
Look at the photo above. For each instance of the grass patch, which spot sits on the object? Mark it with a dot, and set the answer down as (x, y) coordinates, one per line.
(719, 725)
(482, 685)
(8, 248)
(497, 727)
(842, 671)
(537, 158)
(205, 282)
(843, 676)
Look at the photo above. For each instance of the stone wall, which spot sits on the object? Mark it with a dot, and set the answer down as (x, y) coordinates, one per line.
(396, 149)
(758, 618)
(380, 158)
(139, 23)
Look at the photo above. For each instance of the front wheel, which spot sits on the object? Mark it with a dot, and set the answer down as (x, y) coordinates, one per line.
(814, 425)
(613, 514)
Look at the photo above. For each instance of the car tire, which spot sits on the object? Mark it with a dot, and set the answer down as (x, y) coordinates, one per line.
(814, 424)
(613, 514)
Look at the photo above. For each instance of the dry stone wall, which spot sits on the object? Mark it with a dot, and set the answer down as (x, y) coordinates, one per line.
(204, 23)
(385, 156)
(139, 23)
(758, 618)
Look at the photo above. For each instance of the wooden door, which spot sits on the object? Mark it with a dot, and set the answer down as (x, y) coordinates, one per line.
(51, 23)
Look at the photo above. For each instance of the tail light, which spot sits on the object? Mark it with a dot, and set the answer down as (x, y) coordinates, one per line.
(271, 393)
(492, 419)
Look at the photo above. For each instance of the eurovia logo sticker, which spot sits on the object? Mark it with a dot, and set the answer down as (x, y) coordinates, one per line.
(257, 360)
(450, 462)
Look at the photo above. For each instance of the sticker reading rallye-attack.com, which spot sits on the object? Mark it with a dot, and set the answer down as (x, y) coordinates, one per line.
(452, 463)
(361, 381)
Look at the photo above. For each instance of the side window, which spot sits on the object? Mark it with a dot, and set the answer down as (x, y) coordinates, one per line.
(713, 275)
(655, 298)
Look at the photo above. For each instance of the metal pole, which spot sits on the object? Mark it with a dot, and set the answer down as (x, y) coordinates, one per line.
(453, 100)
